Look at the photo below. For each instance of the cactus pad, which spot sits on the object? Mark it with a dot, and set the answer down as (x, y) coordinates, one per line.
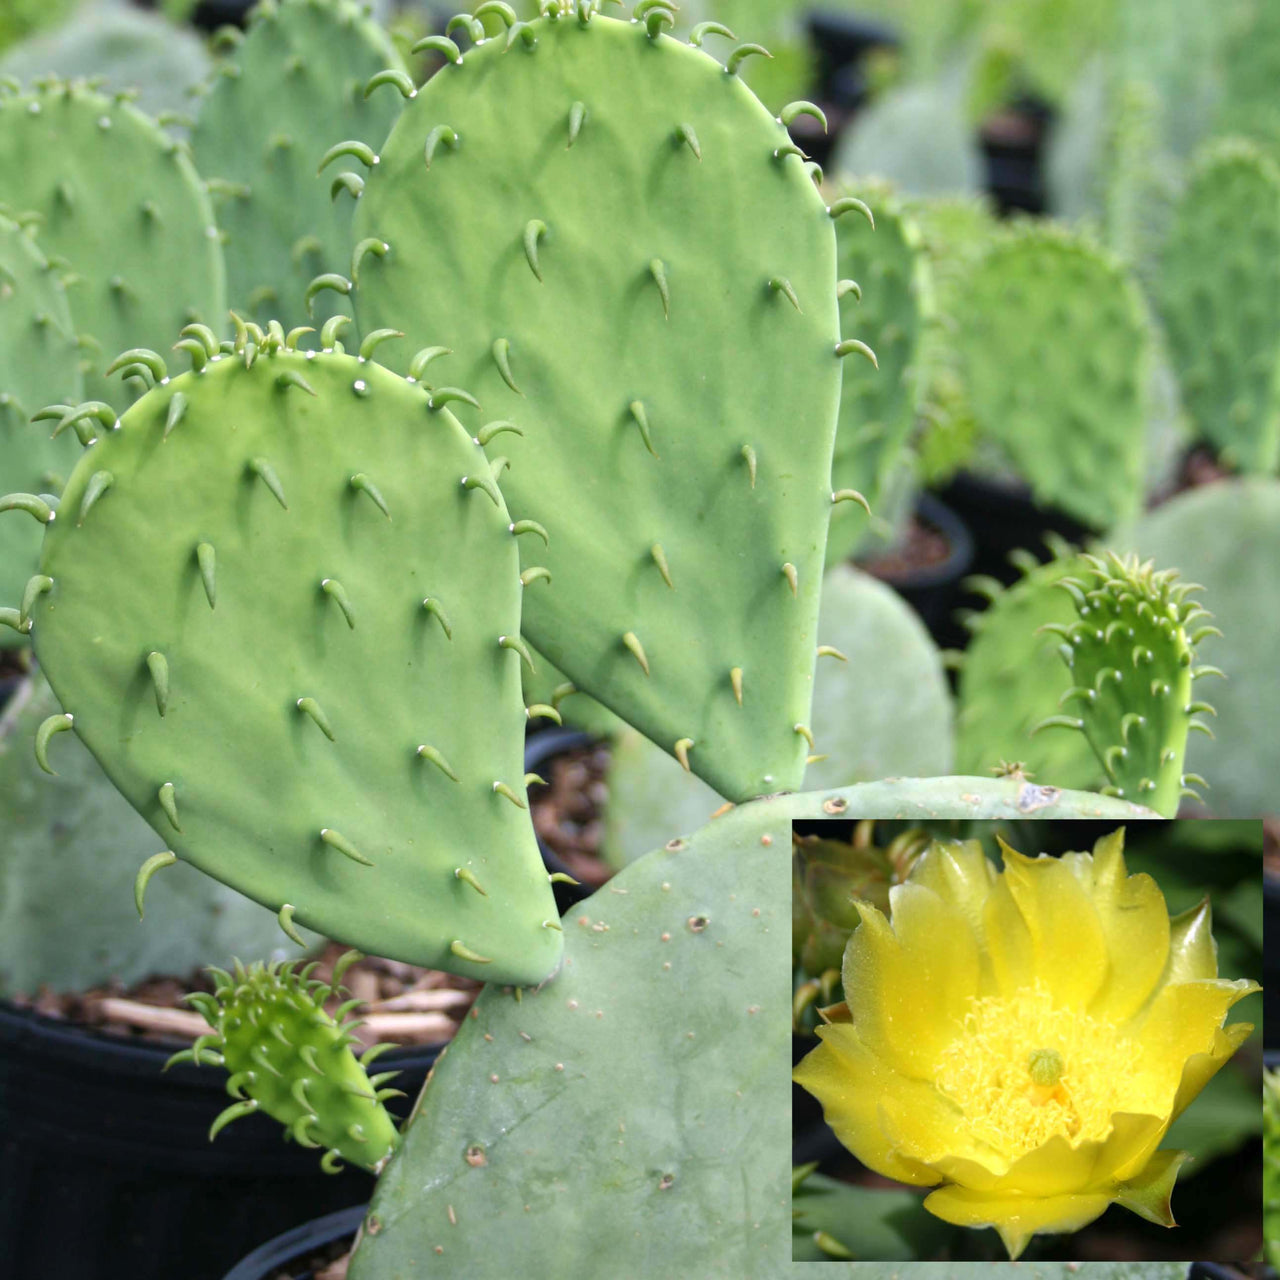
(286, 1056)
(1055, 348)
(313, 599)
(38, 364)
(1011, 677)
(118, 199)
(628, 258)
(294, 83)
(1130, 653)
(1219, 292)
(886, 299)
(68, 861)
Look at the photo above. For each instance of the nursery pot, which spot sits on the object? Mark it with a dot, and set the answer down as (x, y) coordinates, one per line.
(1003, 517)
(290, 1253)
(107, 1171)
(1271, 967)
(1012, 144)
(932, 589)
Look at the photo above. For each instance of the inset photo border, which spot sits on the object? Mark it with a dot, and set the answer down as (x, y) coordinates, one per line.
(1038, 1040)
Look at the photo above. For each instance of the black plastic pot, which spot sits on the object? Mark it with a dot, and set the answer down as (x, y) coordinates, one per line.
(1271, 967)
(539, 749)
(209, 15)
(932, 590)
(1013, 144)
(297, 1246)
(107, 1172)
(1004, 517)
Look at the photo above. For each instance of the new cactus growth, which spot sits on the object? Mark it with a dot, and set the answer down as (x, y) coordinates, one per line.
(258, 147)
(1219, 292)
(1011, 676)
(286, 1056)
(886, 298)
(1131, 652)
(630, 262)
(38, 364)
(117, 199)
(1055, 346)
(314, 597)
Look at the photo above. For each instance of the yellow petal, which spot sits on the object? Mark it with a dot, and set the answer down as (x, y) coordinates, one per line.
(960, 873)
(1134, 919)
(1150, 1194)
(852, 1084)
(1060, 922)
(1132, 1143)
(909, 985)
(1016, 1218)
(1184, 1020)
(1200, 1068)
(1193, 953)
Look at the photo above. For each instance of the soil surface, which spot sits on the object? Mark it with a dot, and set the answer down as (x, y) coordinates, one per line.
(403, 1004)
(568, 813)
(922, 548)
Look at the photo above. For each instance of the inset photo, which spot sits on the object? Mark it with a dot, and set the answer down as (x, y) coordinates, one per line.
(1035, 1040)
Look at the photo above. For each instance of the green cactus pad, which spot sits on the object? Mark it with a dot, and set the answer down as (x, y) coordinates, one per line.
(1055, 348)
(286, 1056)
(38, 365)
(283, 598)
(295, 83)
(1227, 536)
(69, 856)
(633, 268)
(890, 308)
(1011, 678)
(118, 199)
(544, 686)
(1219, 292)
(635, 1107)
(1130, 653)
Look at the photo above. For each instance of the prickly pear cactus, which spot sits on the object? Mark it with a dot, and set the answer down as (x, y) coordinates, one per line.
(286, 1056)
(1227, 536)
(886, 299)
(69, 854)
(544, 687)
(314, 597)
(38, 364)
(530, 1128)
(1130, 652)
(296, 81)
(1012, 678)
(1252, 63)
(119, 200)
(630, 262)
(1219, 292)
(1055, 348)
(881, 709)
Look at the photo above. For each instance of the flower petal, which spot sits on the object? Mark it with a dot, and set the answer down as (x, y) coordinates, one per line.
(960, 873)
(1134, 919)
(910, 983)
(1060, 921)
(1193, 953)
(1149, 1194)
(1200, 1068)
(1016, 1218)
(852, 1084)
(1182, 1021)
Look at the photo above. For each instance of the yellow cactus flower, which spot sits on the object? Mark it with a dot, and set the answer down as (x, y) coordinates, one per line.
(1022, 1040)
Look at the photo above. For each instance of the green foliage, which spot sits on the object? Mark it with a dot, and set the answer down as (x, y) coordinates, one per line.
(69, 854)
(286, 1056)
(255, 530)
(1011, 678)
(20, 18)
(38, 365)
(1219, 292)
(1054, 346)
(123, 47)
(1271, 1166)
(889, 309)
(1130, 652)
(1226, 536)
(630, 273)
(294, 82)
(118, 200)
